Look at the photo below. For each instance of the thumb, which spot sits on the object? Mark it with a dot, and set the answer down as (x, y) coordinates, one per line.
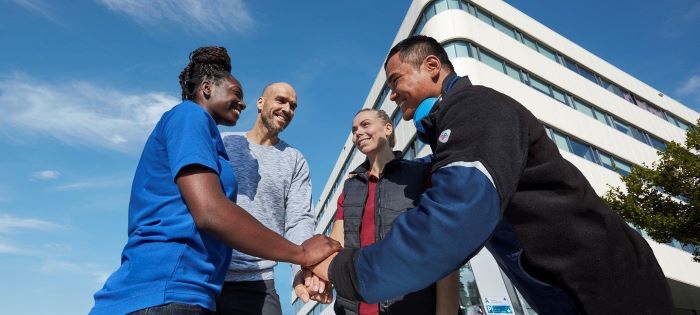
(301, 292)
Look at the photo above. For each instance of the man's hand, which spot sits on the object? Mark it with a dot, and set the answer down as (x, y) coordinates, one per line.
(308, 286)
(316, 249)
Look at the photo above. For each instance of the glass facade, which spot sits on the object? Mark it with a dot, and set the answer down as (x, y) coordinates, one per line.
(441, 5)
(469, 297)
(553, 91)
(570, 144)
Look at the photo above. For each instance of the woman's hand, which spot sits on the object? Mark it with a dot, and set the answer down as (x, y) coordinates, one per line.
(307, 287)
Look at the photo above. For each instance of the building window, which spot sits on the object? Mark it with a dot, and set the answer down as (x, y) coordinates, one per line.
(560, 95)
(544, 50)
(505, 29)
(657, 143)
(419, 145)
(481, 15)
(601, 116)
(570, 64)
(440, 5)
(547, 52)
(469, 297)
(582, 150)
(396, 117)
(539, 85)
(463, 49)
(513, 72)
(561, 141)
(382, 96)
(529, 42)
(588, 152)
(454, 4)
(622, 127)
(490, 60)
(584, 108)
(606, 161)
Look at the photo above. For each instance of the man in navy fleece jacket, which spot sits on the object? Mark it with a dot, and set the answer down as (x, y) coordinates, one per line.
(498, 181)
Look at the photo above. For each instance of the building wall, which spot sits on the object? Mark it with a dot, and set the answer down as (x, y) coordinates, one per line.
(460, 25)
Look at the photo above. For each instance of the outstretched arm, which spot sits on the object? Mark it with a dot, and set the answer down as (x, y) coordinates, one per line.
(427, 242)
(216, 214)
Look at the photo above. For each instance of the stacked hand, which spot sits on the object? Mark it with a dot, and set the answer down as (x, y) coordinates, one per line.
(308, 286)
(318, 253)
(318, 248)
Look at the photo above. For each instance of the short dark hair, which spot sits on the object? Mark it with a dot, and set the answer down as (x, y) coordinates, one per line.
(206, 63)
(416, 48)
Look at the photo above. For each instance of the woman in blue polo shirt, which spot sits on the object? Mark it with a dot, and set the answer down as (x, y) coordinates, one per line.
(182, 221)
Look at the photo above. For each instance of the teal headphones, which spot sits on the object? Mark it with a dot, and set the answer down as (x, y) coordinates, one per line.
(423, 110)
(426, 106)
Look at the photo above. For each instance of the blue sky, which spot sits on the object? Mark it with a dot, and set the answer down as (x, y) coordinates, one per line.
(83, 82)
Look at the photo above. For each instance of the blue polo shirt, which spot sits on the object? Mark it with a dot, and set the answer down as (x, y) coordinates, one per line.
(166, 258)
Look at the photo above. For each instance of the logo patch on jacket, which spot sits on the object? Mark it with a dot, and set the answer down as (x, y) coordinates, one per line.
(444, 136)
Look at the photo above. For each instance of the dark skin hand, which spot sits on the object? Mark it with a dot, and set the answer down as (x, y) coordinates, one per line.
(215, 213)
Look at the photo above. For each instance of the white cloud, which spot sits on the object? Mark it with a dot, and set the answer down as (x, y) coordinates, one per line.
(211, 15)
(37, 6)
(46, 175)
(691, 86)
(92, 183)
(96, 271)
(9, 224)
(79, 113)
(7, 248)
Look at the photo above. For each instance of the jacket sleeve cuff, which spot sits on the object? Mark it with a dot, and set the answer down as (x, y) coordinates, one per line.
(343, 276)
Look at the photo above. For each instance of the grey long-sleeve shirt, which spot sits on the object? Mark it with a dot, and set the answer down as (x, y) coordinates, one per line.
(275, 187)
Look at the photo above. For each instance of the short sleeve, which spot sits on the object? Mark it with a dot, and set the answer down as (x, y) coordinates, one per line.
(339, 213)
(188, 139)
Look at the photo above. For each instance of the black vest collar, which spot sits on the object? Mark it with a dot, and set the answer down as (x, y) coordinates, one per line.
(363, 168)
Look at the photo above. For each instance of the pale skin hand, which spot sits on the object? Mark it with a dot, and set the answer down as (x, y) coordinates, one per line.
(309, 287)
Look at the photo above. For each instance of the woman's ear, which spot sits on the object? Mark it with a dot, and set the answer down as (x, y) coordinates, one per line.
(388, 129)
(205, 88)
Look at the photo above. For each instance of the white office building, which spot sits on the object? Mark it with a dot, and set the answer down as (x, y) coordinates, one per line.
(602, 119)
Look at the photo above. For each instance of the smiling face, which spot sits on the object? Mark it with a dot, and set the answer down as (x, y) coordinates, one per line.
(370, 133)
(411, 84)
(223, 100)
(277, 106)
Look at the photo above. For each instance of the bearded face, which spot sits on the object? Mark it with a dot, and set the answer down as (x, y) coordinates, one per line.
(277, 107)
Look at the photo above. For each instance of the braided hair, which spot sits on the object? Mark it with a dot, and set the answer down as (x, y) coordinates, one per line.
(206, 63)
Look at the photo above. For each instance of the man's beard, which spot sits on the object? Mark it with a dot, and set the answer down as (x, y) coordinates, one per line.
(271, 126)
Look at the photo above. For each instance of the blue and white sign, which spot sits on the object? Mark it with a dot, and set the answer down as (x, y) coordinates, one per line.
(498, 305)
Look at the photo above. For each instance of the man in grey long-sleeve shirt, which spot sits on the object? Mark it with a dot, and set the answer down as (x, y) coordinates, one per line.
(274, 186)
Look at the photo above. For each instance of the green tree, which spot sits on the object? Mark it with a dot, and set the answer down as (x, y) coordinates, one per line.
(664, 198)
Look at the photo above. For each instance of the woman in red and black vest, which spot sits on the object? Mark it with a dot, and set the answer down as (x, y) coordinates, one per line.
(375, 193)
